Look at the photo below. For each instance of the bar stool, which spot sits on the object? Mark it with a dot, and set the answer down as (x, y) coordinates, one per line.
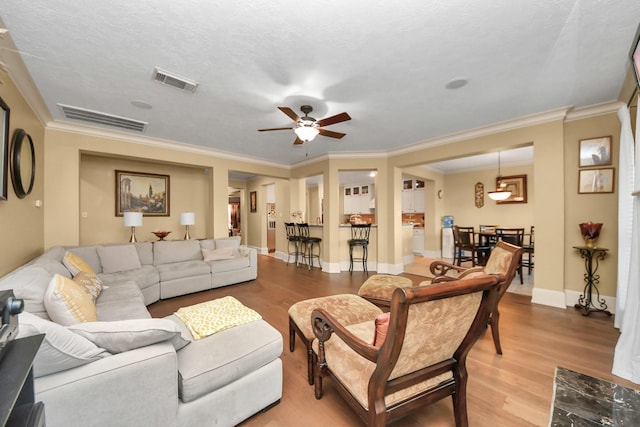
(292, 237)
(359, 237)
(308, 243)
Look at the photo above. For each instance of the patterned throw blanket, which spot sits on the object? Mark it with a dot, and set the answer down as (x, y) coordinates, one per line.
(209, 317)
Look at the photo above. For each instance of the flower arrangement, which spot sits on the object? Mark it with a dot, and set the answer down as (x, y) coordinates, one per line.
(590, 232)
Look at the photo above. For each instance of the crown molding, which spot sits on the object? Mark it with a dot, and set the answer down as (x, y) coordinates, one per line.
(594, 110)
(522, 122)
(333, 155)
(159, 143)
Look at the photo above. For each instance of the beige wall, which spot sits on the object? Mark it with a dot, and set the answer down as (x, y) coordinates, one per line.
(189, 190)
(590, 207)
(21, 222)
(459, 199)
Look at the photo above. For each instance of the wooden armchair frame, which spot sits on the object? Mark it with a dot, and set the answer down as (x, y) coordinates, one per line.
(440, 269)
(385, 358)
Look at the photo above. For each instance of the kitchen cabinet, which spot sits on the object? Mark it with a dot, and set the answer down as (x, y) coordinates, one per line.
(357, 199)
(413, 196)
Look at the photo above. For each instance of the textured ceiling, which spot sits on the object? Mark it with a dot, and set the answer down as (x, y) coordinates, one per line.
(385, 63)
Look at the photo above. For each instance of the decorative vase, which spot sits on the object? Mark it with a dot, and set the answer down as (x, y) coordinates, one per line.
(590, 232)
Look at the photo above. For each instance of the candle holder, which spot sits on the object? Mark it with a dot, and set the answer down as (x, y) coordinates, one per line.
(590, 232)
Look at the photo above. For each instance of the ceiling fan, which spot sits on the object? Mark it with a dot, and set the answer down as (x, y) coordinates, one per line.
(306, 128)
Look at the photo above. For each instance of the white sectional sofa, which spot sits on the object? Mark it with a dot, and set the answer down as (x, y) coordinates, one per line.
(155, 374)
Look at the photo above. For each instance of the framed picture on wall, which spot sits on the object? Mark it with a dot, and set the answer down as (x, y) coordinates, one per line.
(517, 184)
(4, 148)
(253, 201)
(142, 192)
(595, 151)
(596, 181)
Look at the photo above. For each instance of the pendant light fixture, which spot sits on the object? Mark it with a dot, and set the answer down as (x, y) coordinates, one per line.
(501, 192)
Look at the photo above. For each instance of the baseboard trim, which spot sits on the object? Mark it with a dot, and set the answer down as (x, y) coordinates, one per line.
(547, 297)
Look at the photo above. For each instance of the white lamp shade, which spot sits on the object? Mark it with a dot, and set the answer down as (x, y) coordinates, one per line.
(187, 218)
(499, 195)
(306, 133)
(132, 219)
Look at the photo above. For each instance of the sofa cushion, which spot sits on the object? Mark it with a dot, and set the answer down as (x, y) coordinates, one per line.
(121, 301)
(30, 283)
(89, 254)
(91, 284)
(228, 242)
(75, 263)
(145, 252)
(238, 262)
(207, 244)
(145, 276)
(61, 349)
(166, 252)
(118, 258)
(217, 254)
(180, 270)
(124, 335)
(67, 302)
(203, 367)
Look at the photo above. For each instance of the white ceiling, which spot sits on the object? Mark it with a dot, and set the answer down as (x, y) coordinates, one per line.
(385, 63)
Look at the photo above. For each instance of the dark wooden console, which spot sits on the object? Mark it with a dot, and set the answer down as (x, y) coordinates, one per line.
(18, 406)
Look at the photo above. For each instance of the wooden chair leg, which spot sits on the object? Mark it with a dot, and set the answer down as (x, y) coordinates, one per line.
(292, 336)
(495, 330)
(310, 360)
(460, 399)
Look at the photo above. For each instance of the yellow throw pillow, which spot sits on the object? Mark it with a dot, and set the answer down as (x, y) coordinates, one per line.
(91, 284)
(76, 264)
(67, 302)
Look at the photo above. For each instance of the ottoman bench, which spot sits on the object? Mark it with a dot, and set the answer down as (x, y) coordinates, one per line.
(349, 309)
(378, 288)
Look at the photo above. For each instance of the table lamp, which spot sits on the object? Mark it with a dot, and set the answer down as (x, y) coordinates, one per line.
(187, 219)
(133, 220)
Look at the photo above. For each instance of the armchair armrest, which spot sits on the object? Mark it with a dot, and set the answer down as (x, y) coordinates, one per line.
(440, 268)
(324, 325)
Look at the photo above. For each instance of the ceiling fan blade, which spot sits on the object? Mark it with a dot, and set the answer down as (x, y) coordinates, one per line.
(342, 117)
(298, 141)
(289, 112)
(331, 134)
(265, 130)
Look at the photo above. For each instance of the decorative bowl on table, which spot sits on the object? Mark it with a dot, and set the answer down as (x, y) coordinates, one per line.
(590, 232)
(161, 234)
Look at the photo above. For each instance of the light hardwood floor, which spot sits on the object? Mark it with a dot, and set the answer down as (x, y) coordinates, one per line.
(514, 389)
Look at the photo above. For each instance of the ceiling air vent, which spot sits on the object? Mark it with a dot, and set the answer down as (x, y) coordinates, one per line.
(76, 113)
(174, 80)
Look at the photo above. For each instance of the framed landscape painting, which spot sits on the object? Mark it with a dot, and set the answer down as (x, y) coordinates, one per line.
(142, 192)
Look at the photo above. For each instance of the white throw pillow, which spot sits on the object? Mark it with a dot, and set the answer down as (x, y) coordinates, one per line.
(124, 335)
(67, 302)
(217, 254)
(61, 349)
(115, 259)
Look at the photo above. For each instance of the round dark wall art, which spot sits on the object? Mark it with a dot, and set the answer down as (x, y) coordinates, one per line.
(23, 163)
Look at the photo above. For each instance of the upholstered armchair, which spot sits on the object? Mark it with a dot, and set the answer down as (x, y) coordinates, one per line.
(423, 357)
(504, 260)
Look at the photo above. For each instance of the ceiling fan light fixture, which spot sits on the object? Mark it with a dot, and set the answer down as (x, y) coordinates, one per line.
(306, 132)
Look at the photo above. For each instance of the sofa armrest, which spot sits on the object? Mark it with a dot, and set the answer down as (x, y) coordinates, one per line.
(134, 388)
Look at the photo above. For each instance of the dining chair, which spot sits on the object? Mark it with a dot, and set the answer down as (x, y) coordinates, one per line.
(514, 236)
(529, 250)
(464, 241)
